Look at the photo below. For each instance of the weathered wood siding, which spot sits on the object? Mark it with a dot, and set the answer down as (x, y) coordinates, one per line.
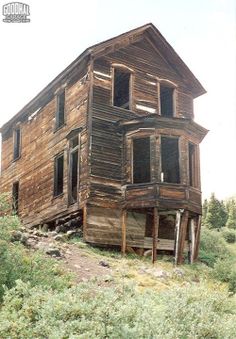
(40, 144)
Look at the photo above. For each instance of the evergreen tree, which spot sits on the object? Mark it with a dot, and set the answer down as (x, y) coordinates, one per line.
(231, 222)
(216, 215)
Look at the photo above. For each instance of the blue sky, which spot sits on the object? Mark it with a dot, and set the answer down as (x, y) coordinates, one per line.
(201, 31)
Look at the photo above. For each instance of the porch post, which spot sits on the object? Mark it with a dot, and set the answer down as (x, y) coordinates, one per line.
(197, 240)
(123, 230)
(155, 234)
(192, 244)
(183, 230)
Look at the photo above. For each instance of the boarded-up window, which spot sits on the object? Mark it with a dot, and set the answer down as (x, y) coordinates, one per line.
(141, 160)
(170, 160)
(166, 101)
(192, 165)
(15, 197)
(73, 169)
(16, 142)
(58, 174)
(60, 111)
(121, 94)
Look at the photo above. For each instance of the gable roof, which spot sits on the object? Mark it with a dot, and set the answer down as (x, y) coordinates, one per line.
(122, 40)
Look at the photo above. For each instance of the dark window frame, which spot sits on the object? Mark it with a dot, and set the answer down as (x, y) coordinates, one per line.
(166, 110)
(60, 110)
(166, 170)
(192, 165)
(73, 172)
(15, 197)
(58, 184)
(148, 159)
(16, 143)
(127, 104)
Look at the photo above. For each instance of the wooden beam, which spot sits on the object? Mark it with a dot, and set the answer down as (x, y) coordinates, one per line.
(197, 238)
(182, 236)
(123, 229)
(177, 235)
(155, 233)
(84, 221)
(192, 239)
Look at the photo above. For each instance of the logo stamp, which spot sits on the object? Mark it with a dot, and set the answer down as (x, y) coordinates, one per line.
(16, 12)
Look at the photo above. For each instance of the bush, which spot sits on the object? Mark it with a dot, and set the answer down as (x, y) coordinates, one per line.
(229, 234)
(212, 247)
(87, 311)
(225, 271)
(16, 262)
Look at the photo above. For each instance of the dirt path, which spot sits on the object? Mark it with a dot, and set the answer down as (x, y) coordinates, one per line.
(85, 266)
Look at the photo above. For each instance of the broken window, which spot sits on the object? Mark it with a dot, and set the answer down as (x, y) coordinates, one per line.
(170, 160)
(192, 165)
(141, 160)
(73, 169)
(60, 111)
(121, 94)
(15, 197)
(166, 101)
(16, 142)
(58, 174)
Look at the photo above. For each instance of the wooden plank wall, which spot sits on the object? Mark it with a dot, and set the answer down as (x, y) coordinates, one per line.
(40, 143)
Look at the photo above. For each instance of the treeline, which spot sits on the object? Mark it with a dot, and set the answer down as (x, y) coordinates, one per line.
(219, 213)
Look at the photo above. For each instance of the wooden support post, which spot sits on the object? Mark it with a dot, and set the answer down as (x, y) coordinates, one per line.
(123, 229)
(192, 244)
(197, 238)
(84, 222)
(155, 233)
(177, 235)
(182, 236)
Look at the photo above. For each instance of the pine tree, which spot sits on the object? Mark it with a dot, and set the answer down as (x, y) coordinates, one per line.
(231, 222)
(216, 215)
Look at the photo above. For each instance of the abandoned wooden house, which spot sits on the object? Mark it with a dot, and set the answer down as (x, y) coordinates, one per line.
(111, 143)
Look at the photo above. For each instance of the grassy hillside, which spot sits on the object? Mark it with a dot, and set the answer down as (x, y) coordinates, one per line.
(129, 298)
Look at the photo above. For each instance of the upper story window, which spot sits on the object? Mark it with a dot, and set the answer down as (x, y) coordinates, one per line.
(167, 103)
(141, 160)
(58, 174)
(16, 143)
(121, 88)
(60, 110)
(192, 159)
(170, 160)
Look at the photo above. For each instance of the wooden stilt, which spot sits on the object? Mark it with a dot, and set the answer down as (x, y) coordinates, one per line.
(84, 221)
(155, 234)
(182, 237)
(192, 239)
(177, 235)
(123, 229)
(197, 238)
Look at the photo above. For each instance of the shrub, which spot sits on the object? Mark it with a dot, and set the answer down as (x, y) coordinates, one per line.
(87, 311)
(225, 271)
(229, 234)
(16, 262)
(212, 247)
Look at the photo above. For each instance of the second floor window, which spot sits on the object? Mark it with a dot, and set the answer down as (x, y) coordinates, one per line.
(121, 90)
(16, 143)
(170, 160)
(60, 110)
(141, 160)
(58, 174)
